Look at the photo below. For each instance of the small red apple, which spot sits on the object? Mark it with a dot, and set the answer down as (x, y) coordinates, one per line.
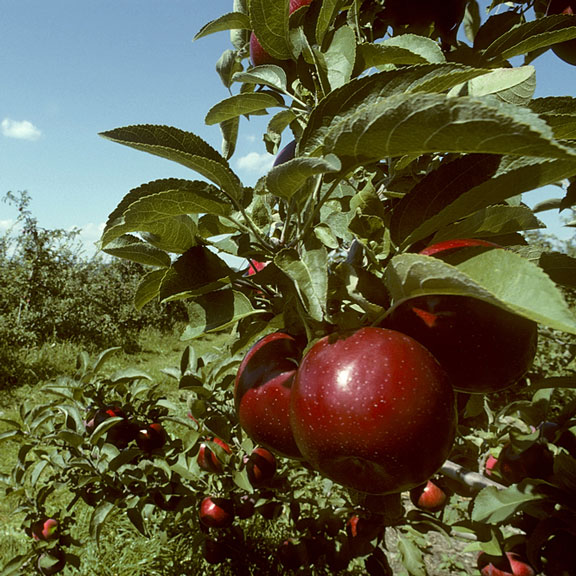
(429, 497)
(262, 392)
(491, 464)
(455, 244)
(207, 458)
(45, 529)
(260, 466)
(152, 437)
(509, 564)
(216, 512)
(287, 153)
(373, 410)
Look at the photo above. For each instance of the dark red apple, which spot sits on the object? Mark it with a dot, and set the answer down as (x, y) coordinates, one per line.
(564, 50)
(207, 458)
(509, 564)
(482, 347)
(259, 56)
(456, 244)
(45, 529)
(360, 532)
(292, 554)
(214, 551)
(262, 392)
(373, 410)
(429, 497)
(260, 466)
(560, 554)
(152, 437)
(286, 154)
(121, 433)
(216, 512)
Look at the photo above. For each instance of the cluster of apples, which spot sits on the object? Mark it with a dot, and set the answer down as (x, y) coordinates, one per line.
(148, 437)
(373, 409)
(53, 559)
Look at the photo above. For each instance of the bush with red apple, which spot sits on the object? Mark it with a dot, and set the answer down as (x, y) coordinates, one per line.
(393, 336)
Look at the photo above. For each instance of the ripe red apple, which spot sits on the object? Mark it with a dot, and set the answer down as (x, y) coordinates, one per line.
(255, 267)
(537, 461)
(262, 392)
(51, 562)
(45, 529)
(491, 463)
(510, 564)
(216, 512)
(373, 410)
(214, 551)
(207, 458)
(260, 466)
(429, 497)
(455, 244)
(482, 347)
(564, 50)
(286, 154)
(152, 437)
(259, 56)
(292, 554)
(121, 433)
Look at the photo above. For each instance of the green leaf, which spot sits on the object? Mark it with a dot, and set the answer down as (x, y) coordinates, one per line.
(269, 21)
(491, 221)
(497, 276)
(229, 130)
(462, 187)
(532, 35)
(131, 248)
(328, 11)
(182, 147)
(513, 85)
(99, 517)
(406, 49)
(411, 556)
(265, 75)
(309, 272)
(196, 272)
(560, 267)
(286, 179)
(230, 21)
(241, 104)
(494, 506)
(426, 123)
(149, 288)
(217, 311)
(227, 65)
(373, 88)
(340, 57)
(559, 113)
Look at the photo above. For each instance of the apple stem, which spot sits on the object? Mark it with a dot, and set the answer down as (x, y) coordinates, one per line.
(471, 479)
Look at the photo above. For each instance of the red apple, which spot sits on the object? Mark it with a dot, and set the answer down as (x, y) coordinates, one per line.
(429, 497)
(491, 463)
(564, 50)
(260, 466)
(262, 392)
(216, 512)
(292, 554)
(510, 564)
(207, 458)
(214, 551)
(373, 410)
(121, 433)
(455, 244)
(152, 437)
(482, 347)
(45, 529)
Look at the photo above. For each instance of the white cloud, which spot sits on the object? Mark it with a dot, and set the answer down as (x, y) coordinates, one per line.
(255, 162)
(90, 234)
(20, 129)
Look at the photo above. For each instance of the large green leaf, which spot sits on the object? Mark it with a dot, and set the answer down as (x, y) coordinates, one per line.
(159, 208)
(132, 248)
(533, 35)
(338, 59)
(241, 104)
(308, 269)
(196, 272)
(559, 112)
(426, 123)
(217, 311)
(494, 506)
(182, 147)
(149, 288)
(463, 186)
(406, 49)
(269, 22)
(373, 88)
(497, 276)
(329, 9)
(513, 85)
(230, 21)
(265, 75)
(288, 178)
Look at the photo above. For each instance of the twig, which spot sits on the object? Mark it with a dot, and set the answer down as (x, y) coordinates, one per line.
(473, 480)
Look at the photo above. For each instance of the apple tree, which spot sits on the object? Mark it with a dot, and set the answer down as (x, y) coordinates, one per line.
(370, 301)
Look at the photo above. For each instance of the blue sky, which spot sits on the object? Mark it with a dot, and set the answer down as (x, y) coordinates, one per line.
(73, 68)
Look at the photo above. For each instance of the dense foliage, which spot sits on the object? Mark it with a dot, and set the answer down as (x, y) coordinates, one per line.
(405, 129)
